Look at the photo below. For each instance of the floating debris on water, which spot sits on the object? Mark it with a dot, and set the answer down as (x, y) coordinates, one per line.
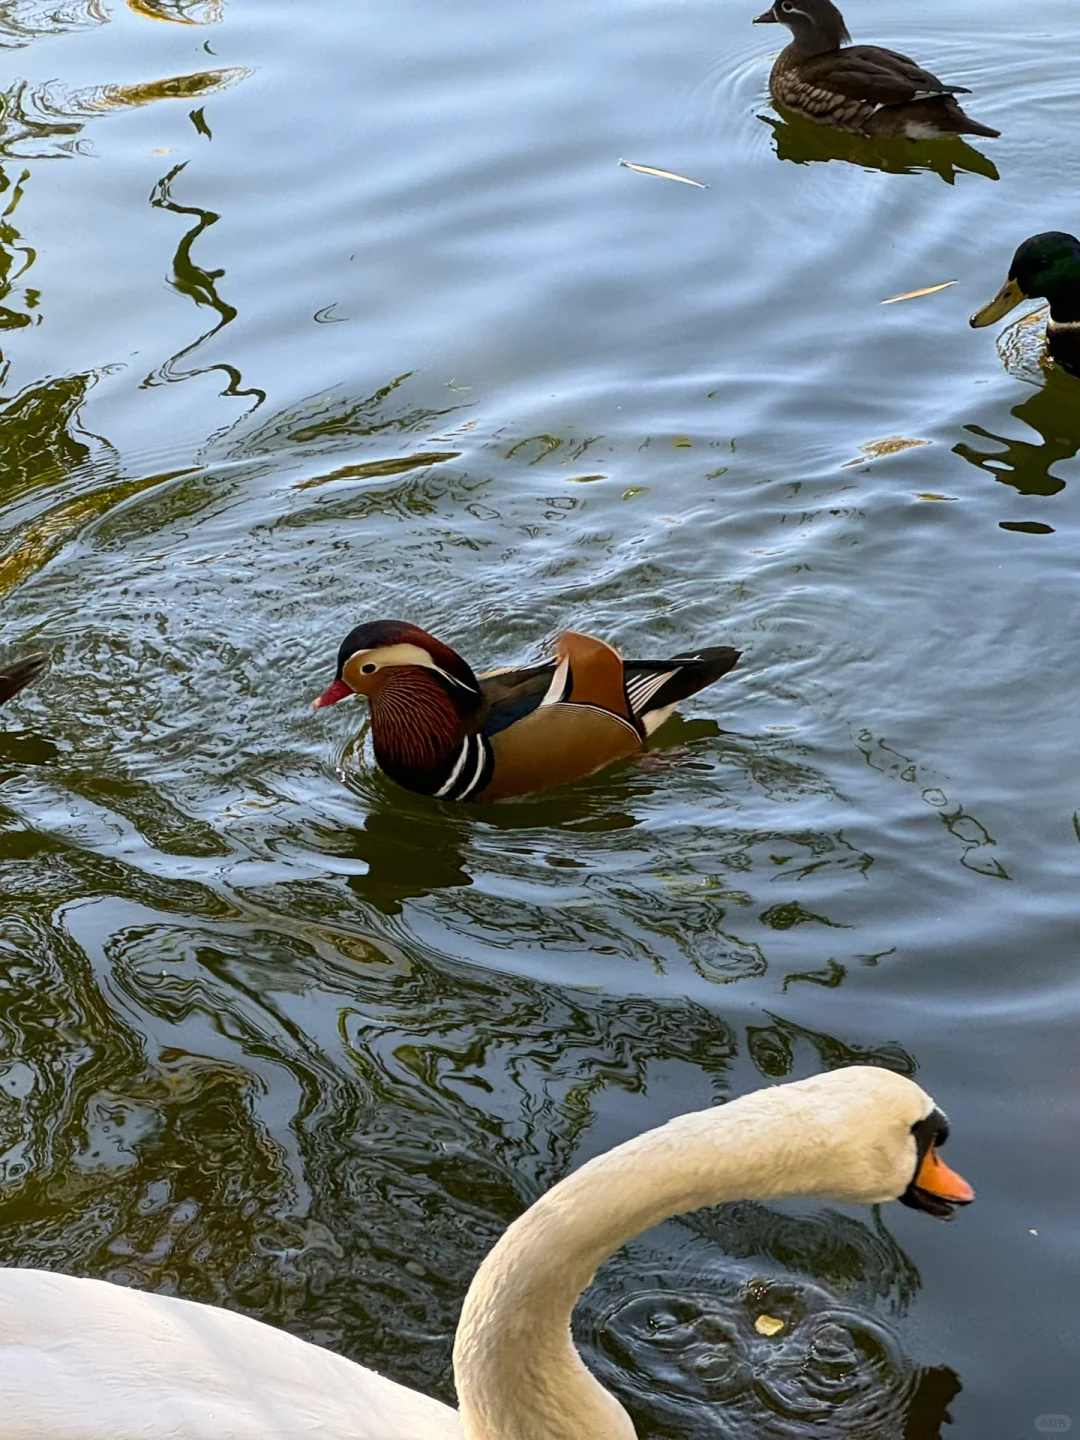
(917, 294)
(661, 174)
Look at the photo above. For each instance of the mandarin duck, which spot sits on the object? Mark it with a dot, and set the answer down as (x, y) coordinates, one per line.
(443, 731)
(862, 88)
(21, 674)
(1046, 267)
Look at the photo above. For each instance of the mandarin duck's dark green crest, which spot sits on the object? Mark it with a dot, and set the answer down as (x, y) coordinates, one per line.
(443, 731)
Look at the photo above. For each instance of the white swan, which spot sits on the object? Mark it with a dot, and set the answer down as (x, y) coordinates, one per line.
(86, 1360)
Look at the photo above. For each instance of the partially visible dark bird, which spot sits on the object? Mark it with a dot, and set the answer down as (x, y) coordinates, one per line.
(22, 673)
(442, 731)
(862, 88)
(1046, 267)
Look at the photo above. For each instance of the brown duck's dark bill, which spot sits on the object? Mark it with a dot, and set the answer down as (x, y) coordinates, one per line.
(769, 18)
(332, 694)
(1007, 298)
(936, 1188)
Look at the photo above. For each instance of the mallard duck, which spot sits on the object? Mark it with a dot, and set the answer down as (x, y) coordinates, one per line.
(1046, 267)
(16, 677)
(862, 88)
(442, 731)
(99, 1361)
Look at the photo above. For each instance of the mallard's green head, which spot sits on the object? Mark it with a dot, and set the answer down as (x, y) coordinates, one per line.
(1045, 267)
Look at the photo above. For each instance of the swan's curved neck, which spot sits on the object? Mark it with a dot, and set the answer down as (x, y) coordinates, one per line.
(518, 1374)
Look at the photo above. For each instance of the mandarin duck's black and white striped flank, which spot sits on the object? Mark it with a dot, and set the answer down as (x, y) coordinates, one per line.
(443, 731)
(862, 88)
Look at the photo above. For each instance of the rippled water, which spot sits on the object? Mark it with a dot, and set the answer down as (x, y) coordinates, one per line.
(319, 315)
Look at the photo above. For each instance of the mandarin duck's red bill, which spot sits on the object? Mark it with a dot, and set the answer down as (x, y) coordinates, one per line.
(441, 730)
(16, 677)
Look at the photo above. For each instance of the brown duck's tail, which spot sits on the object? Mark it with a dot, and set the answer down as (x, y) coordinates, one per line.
(975, 127)
(655, 687)
(956, 121)
(16, 676)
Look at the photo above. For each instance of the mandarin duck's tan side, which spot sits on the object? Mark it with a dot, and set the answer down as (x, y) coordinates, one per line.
(440, 730)
(582, 724)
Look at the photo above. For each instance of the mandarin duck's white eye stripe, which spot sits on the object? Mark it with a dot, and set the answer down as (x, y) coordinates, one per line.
(470, 689)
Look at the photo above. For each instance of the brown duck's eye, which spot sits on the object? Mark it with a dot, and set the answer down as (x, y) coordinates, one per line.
(368, 669)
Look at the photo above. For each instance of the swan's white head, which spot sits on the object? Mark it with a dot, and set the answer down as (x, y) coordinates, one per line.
(879, 1137)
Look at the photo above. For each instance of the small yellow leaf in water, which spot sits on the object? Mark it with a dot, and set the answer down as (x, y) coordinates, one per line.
(768, 1325)
(930, 495)
(661, 174)
(682, 442)
(165, 150)
(917, 294)
(878, 449)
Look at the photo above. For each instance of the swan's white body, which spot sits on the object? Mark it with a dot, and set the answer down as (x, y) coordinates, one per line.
(86, 1360)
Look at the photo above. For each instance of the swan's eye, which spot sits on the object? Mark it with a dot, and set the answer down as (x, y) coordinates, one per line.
(368, 669)
(932, 1129)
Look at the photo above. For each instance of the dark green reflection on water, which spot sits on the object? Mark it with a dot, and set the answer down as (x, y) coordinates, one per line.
(232, 1110)
(1052, 411)
(198, 284)
(805, 143)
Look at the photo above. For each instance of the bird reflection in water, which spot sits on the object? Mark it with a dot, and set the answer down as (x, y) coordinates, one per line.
(803, 143)
(1052, 412)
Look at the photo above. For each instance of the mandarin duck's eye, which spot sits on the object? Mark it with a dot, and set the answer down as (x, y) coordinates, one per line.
(368, 669)
(787, 7)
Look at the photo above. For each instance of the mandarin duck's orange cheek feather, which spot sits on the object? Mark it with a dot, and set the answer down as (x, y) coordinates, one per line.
(441, 731)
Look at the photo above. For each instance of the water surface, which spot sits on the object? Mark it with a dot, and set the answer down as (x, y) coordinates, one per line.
(323, 317)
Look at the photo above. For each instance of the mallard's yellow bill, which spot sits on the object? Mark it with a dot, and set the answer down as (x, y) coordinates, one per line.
(1007, 298)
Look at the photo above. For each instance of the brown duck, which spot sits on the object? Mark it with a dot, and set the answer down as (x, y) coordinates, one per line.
(443, 731)
(21, 674)
(862, 88)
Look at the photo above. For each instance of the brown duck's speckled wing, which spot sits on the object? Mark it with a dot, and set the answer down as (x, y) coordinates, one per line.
(21, 674)
(872, 74)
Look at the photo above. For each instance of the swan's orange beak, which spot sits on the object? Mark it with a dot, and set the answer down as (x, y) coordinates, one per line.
(332, 694)
(935, 1178)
